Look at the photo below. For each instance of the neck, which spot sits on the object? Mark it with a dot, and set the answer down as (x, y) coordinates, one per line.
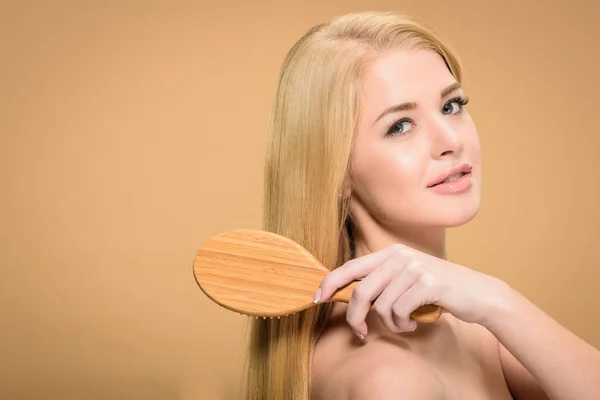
(371, 235)
(430, 240)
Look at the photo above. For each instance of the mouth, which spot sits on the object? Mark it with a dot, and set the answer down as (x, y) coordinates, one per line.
(451, 175)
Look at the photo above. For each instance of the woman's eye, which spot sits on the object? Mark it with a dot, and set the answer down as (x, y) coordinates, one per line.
(399, 128)
(455, 106)
(451, 108)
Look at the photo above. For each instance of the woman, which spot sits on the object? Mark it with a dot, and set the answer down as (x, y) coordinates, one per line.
(371, 156)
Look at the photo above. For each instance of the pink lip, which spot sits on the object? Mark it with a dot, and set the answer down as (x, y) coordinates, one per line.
(464, 168)
(460, 185)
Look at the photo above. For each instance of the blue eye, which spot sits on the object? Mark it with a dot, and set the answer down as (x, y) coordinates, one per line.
(455, 105)
(400, 127)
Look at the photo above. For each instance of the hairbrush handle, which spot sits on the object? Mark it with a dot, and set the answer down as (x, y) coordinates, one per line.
(427, 313)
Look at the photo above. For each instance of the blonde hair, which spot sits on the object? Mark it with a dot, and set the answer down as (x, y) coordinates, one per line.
(316, 110)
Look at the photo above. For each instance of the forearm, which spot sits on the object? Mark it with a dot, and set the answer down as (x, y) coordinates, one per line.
(564, 365)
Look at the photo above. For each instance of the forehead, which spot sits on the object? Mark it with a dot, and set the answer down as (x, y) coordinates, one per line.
(405, 75)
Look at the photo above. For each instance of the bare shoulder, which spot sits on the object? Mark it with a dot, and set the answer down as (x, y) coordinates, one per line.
(448, 357)
(374, 372)
(480, 343)
(393, 381)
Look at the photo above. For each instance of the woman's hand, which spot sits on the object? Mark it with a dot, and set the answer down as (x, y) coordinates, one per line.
(401, 279)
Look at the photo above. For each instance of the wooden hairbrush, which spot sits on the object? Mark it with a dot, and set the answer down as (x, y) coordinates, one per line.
(262, 274)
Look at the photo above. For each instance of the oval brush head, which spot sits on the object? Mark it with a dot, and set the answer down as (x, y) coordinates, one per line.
(262, 274)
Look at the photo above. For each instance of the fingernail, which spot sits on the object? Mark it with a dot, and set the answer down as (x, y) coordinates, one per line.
(317, 296)
(360, 335)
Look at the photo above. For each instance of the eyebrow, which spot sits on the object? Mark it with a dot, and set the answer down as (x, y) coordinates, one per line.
(412, 105)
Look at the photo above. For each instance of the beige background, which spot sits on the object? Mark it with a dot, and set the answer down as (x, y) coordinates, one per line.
(131, 131)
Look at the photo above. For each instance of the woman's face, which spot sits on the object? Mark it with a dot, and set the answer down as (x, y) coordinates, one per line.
(413, 130)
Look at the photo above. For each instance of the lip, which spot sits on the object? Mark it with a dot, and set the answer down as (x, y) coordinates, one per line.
(464, 168)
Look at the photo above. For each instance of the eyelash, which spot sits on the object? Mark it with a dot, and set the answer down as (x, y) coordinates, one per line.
(461, 101)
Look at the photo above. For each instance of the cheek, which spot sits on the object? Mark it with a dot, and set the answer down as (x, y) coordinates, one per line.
(473, 150)
(387, 170)
(472, 137)
(474, 147)
(469, 137)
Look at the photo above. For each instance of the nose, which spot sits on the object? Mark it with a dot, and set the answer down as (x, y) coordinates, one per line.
(445, 138)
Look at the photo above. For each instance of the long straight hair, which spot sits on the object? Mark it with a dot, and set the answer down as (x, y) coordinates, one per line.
(306, 181)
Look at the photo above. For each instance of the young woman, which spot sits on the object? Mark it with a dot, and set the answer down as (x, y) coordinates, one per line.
(371, 156)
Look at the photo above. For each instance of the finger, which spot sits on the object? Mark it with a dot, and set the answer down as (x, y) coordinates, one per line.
(419, 294)
(355, 269)
(365, 292)
(399, 285)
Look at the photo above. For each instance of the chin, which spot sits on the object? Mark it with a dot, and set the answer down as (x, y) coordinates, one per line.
(443, 218)
(460, 219)
(450, 212)
(453, 214)
(457, 216)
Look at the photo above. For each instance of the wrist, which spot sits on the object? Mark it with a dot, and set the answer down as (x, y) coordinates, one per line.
(502, 302)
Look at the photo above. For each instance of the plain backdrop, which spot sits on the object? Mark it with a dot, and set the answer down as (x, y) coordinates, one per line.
(132, 131)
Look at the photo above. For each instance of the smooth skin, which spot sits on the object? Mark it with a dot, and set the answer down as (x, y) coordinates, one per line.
(491, 342)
